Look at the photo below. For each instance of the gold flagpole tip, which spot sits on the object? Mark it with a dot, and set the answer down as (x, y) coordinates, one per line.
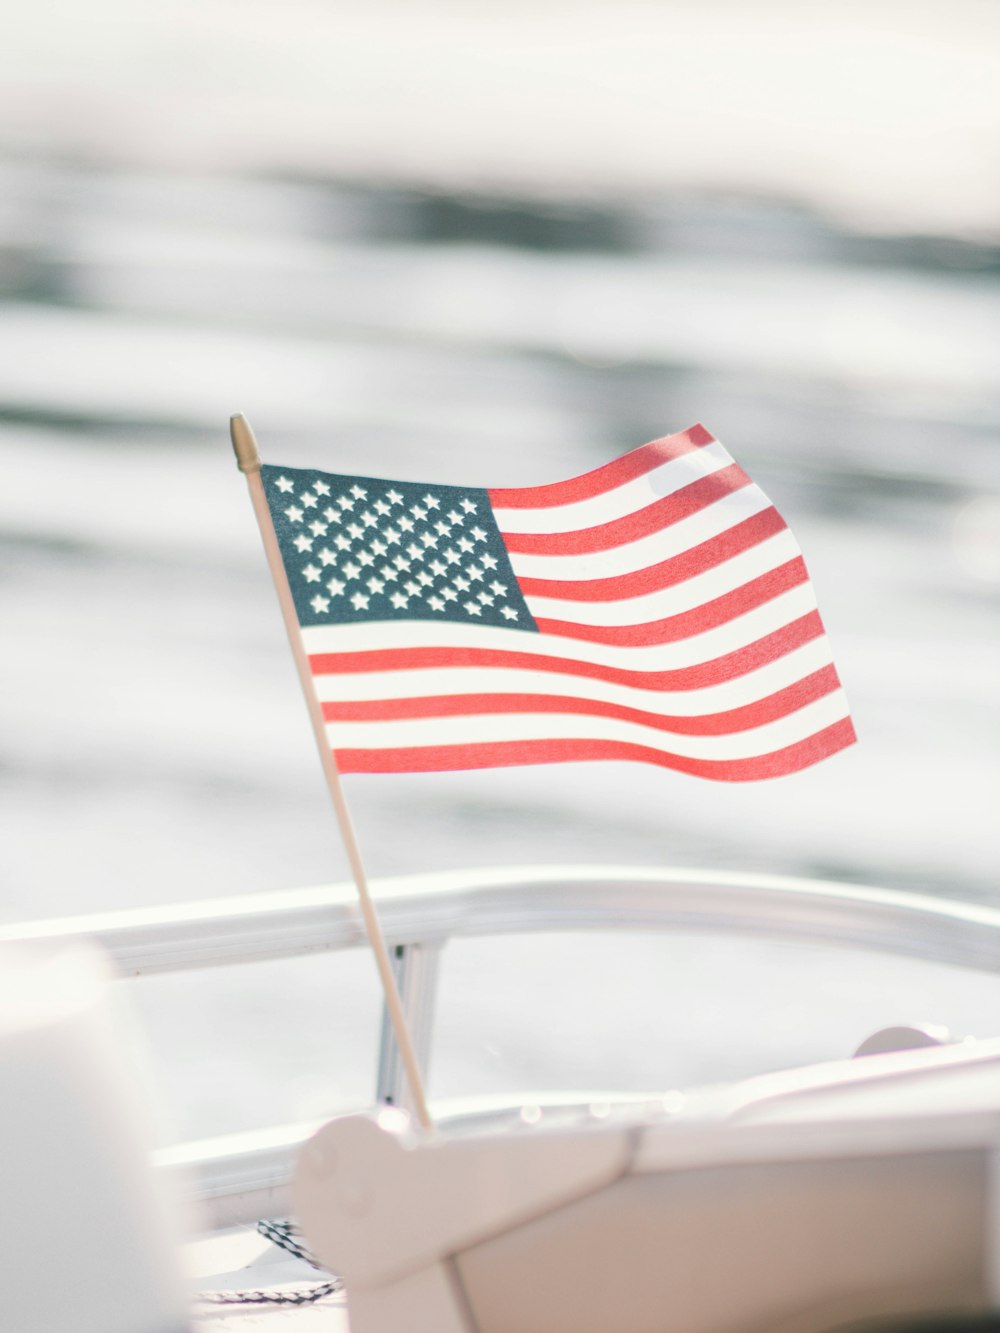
(244, 444)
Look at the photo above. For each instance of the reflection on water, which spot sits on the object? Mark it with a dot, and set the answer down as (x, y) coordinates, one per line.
(154, 745)
(153, 715)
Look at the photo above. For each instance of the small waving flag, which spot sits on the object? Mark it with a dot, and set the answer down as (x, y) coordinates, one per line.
(657, 608)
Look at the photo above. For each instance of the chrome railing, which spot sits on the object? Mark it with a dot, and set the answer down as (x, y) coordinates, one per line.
(243, 1176)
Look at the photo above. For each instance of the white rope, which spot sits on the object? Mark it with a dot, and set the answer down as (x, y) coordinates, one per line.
(286, 1235)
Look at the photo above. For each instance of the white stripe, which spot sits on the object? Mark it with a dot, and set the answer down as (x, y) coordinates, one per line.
(686, 596)
(356, 687)
(666, 479)
(725, 513)
(736, 634)
(483, 728)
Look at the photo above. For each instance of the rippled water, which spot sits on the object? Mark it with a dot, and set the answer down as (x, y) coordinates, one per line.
(154, 746)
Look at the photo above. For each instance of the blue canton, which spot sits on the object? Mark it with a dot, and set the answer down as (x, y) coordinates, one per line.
(361, 549)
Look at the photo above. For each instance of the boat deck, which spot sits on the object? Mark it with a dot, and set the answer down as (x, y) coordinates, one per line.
(327, 1316)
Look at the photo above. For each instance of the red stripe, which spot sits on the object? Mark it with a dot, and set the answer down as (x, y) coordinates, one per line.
(502, 754)
(727, 667)
(710, 615)
(668, 573)
(634, 464)
(757, 714)
(662, 513)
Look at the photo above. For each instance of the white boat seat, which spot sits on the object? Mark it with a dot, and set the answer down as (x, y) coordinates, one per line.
(87, 1244)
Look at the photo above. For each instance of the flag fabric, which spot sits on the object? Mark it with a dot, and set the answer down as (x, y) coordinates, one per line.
(657, 608)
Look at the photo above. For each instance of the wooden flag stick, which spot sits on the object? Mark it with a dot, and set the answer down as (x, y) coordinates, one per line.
(245, 447)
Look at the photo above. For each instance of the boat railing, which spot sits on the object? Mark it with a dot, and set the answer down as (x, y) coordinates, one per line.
(240, 1177)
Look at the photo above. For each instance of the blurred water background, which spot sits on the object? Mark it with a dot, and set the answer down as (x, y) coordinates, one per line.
(491, 245)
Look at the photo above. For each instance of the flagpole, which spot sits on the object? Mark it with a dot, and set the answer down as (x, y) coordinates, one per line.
(248, 459)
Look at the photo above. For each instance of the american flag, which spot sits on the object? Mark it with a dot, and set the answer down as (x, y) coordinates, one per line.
(657, 608)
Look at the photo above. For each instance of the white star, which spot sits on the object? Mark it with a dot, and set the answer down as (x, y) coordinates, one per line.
(389, 573)
(358, 492)
(488, 561)
(391, 536)
(366, 558)
(399, 601)
(334, 587)
(452, 556)
(424, 578)
(430, 501)
(442, 527)
(468, 506)
(374, 585)
(417, 512)
(449, 594)
(465, 545)
(498, 588)
(369, 519)
(341, 542)
(414, 551)
(331, 515)
(319, 604)
(327, 556)
(401, 562)
(405, 523)
(356, 532)
(463, 585)
(381, 508)
(437, 568)
(435, 603)
(508, 613)
(284, 485)
(411, 587)
(474, 572)
(360, 601)
(303, 542)
(318, 529)
(473, 608)
(379, 548)
(308, 499)
(294, 513)
(345, 502)
(479, 534)
(321, 488)
(352, 570)
(312, 573)
(454, 516)
(485, 597)
(395, 498)
(428, 539)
